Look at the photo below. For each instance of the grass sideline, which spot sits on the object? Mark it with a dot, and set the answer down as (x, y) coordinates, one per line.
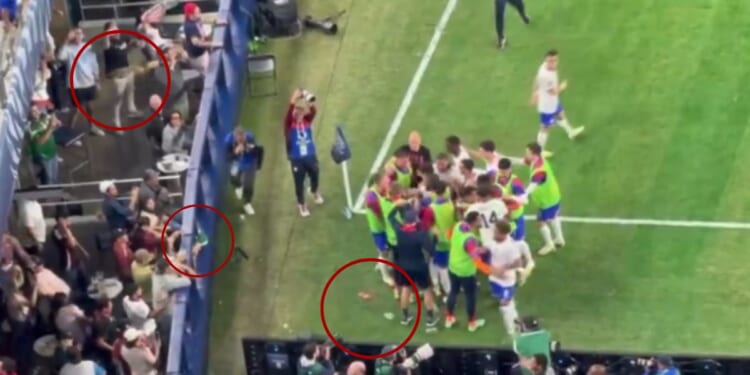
(661, 89)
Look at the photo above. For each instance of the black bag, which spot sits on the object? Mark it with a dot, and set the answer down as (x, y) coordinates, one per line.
(340, 151)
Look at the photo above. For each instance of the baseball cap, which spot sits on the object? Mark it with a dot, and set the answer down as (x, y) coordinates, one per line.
(190, 8)
(105, 185)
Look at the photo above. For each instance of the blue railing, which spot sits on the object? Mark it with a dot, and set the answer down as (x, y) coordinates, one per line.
(18, 85)
(218, 113)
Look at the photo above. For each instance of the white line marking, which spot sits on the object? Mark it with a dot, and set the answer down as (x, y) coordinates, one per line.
(408, 98)
(642, 222)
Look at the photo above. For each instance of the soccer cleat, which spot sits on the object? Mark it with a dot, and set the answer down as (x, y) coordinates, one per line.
(547, 154)
(406, 320)
(576, 132)
(525, 18)
(249, 209)
(450, 321)
(560, 244)
(502, 43)
(431, 323)
(476, 324)
(303, 211)
(317, 198)
(546, 249)
(238, 192)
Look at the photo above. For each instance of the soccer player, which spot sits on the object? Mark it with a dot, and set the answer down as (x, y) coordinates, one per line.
(507, 254)
(467, 197)
(400, 169)
(448, 171)
(545, 194)
(396, 193)
(500, 18)
(546, 96)
(490, 210)
(468, 174)
(376, 221)
(491, 156)
(513, 189)
(455, 149)
(441, 214)
(464, 260)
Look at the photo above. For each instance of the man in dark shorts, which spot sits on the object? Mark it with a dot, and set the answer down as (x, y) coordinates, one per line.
(85, 74)
(412, 254)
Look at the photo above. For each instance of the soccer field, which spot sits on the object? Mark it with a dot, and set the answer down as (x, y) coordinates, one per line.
(657, 187)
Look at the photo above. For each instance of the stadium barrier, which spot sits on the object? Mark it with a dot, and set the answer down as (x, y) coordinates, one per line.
(204, 184)
(279, 357)
(18, 84)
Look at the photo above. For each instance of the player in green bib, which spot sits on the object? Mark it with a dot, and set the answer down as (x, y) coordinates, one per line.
(545, 194)
(463, 261)
(375, 204)
(513, 192)
(399, 169)
(440, 215)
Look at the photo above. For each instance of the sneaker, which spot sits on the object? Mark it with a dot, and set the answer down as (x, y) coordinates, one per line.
(431, 323)
(547, 154)
(546, 249)
(96, 131)
(449, 321)
(78, 144)
(502, 43)
(560, 244)
(317, 198)
(476, 324)
(303, 210)
(249, 209)
(406, 320)
(576, 132)
(526, 20)
(238, 192)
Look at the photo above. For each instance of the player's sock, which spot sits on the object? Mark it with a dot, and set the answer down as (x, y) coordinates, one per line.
(445, 280)
(557, 231)
(385, 271)
(434, 275)
(510, 315)
(566, 126)
(541, 138)
(546, 234)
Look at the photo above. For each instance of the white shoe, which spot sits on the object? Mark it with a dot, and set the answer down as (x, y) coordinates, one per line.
(96, 131)
(395, 293)
(576, 132)
(560, 244)
(249, 209)
(546, 249)
(436, 291)
(303, 211)
(238, 192)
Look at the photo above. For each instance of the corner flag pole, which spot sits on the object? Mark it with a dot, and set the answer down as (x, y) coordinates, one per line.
(347, 185)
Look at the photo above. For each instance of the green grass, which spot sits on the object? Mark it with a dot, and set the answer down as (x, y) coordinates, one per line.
(660, 85)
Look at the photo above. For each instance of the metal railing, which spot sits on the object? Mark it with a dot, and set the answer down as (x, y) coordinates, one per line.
(92, 12)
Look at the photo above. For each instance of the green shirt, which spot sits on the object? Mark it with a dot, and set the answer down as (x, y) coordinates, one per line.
(47, 149)
(383, 368)
(314, 369)
(529, 343)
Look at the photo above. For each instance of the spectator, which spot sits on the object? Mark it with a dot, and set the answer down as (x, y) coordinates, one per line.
(117, 348)
(315, 360)
(8, 9)
(7, 366)
(197, 40)
(356, 368)
(142, 270)
(178, 87)
(104, 333)
(117, 68)
(151, 189)
(20, 314)
(42, 145)
(13, 251)
(31, 217)
(155, 128)
(138, 311)
(86, 74)
(123, 255)
(597, 370)
(117, 214)
(69, 318)
(70, 254)
(141, 359)
(40, 97)
(245, 158)
(665, 366)
(145, 237)
(47, 283)
(164, 283)
(419, 155)
(76, 365)
(174, 137)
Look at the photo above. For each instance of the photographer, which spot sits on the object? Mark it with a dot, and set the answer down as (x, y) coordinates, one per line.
(315, 360)
(662, 365)
(400, 363)
(245, 157)
(537, 364)
(531, 341)
(300, 146)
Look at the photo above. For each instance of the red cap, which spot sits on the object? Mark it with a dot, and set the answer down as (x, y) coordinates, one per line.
(190, 8)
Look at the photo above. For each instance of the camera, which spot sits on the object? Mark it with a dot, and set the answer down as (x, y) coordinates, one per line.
(308, 96)
(401, 363)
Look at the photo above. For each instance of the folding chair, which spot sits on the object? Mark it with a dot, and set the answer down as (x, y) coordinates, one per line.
(261, 67)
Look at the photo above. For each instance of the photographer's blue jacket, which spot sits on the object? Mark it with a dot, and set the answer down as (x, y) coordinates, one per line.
(248, 159)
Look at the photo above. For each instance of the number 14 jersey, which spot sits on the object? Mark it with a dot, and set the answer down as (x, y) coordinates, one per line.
(490, 212)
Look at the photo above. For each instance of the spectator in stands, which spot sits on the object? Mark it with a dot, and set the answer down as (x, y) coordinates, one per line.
(138, 354)
(315, 360)
(245, 158)
(419, 154)
(146, 237)
(8, 9)
(104, 333)
(117, 68)
(117, 214)
(156, 126)
(31, 217)
(47, 283)
(123, 255)
(142, 270)
(151, 189)
(76, 365)
(7, 366)
(356, 368)
(174, 137)
(665, 366)
(86, 75)
(164, 283)
(69, 318)
(19, 310)
(597, 370)
(40, 97)
(138, 311)
(42, 145)
(117, 348)
(13, 251)
(197, 39)
(71, 256)
(178, 89)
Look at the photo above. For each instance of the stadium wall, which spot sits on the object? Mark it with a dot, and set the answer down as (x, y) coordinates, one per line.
(17, 86)
(205, 181)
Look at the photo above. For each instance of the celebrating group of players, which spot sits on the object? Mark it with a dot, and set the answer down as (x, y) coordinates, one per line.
(476, 221)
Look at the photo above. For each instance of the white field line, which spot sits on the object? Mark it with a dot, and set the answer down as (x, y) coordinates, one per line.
(408, 98)
(642, 222)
